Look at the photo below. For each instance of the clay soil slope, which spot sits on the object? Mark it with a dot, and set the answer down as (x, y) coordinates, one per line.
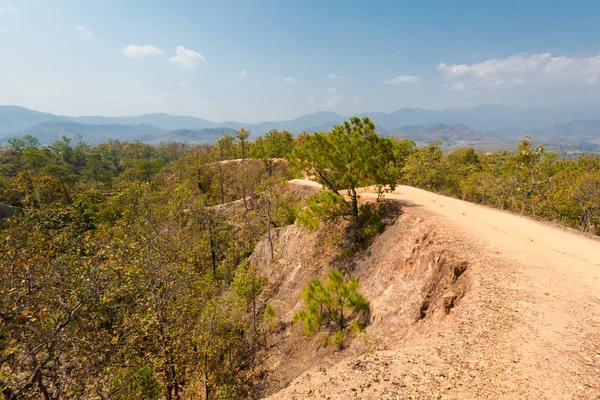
(468, 302)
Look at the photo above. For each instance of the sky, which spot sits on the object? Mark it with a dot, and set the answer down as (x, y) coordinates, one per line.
(272, 60)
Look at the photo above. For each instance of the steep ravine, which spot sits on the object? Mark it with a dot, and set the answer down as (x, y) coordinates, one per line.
(467, 302)
(410, 274)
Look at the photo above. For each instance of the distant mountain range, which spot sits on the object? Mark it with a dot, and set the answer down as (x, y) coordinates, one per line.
(47, 132)
(14, 119)
(567, 124)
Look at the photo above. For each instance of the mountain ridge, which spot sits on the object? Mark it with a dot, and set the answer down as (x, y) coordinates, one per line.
(573, 123)
(485, 116)
(50, 131)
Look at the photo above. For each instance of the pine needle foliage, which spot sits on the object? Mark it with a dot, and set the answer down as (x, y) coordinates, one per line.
(349, 157)
(337, 305)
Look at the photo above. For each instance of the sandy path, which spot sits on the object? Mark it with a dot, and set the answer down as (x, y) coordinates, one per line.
(534, 321)
(568, 252)
(565, 251)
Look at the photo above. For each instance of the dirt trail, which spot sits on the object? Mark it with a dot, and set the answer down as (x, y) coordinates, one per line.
(530, 328)
(569, 253)
(522, 238)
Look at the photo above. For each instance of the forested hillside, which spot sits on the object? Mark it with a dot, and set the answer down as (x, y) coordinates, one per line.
(119, 276)
(529, 180)
(125, 273)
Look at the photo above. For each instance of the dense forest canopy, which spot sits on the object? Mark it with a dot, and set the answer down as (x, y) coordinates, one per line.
(124, 270)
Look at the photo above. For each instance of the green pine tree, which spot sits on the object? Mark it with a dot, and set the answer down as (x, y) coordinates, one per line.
(351, 156)
(336, 304)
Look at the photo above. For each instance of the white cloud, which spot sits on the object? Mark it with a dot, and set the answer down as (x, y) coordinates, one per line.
(457, 86)
(521, 69)
(290, 79)
(332, 98)
(557, 64)
(243, 73)
(187, 58)
(183, 84)
(401, 80)
(454, 70)
(334, 77)
(85, 31)
(8, 8)
(514, 64)
(332, 101)
(135, 51)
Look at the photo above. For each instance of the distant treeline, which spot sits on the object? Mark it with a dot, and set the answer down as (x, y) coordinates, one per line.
(529, 180)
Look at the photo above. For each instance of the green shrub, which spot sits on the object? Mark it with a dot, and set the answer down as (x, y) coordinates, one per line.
(337, 305)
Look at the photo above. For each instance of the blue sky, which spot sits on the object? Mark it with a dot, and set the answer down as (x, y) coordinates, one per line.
(269, 60)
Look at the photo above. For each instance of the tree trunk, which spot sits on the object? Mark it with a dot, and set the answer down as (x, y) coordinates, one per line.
(355, 220)
(254, 313)
(354, 198)
(243, 176)
(43, 387)
(221, 185)
(206, 384)
(8, 393)
(173, 378)
(584, 221)
(213, 253)
(69, 200)
(269, 228)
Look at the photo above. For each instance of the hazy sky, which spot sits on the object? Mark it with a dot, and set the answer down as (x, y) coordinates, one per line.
(267, 60)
